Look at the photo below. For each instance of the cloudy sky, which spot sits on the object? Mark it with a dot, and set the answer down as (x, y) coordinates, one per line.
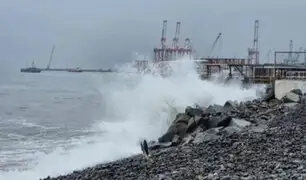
(101, 33)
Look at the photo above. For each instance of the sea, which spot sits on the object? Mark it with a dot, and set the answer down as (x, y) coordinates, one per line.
(52, 123)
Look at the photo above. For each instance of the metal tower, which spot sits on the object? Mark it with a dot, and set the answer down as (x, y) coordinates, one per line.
(175, 45)
(254, 51)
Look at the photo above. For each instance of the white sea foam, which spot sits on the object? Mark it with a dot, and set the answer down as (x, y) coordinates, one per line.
(135, 107)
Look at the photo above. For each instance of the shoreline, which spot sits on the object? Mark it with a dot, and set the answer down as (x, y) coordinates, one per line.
(259, 139)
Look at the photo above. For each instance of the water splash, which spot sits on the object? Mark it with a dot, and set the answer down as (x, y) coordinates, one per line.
(135, 107)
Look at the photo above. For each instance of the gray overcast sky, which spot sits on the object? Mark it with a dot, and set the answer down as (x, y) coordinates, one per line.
(101, 33)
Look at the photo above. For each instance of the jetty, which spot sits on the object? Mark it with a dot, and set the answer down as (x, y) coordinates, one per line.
(247, 67)
(34, 69)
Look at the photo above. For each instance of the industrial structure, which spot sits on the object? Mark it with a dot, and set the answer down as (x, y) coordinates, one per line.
(253, 53)
(168, 52)
(249, 67)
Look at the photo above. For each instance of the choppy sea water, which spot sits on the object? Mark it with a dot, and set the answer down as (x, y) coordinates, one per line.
(54, 123)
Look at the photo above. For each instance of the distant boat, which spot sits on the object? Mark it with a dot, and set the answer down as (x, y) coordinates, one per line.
(31, 69)
(75, 70)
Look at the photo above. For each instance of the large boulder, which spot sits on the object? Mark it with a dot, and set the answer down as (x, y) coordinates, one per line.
(297, 91)
(209, 135)
(236, 125)
(291, 97)
(181, 118)
(168, 136)
(231, 105)
(195, 111)
(239, 123)
(219, 121)
(178, 127)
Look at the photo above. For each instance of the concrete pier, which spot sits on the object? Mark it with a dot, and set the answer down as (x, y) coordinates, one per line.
(283, 86)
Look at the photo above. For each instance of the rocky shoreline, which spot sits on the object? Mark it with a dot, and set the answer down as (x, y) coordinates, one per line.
(259, 139)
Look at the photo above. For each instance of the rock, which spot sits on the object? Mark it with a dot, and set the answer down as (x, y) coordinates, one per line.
(192, 124)
(290, 105)
(176, 140)
(214, 109)
(166, 144)
(206, 136)
(197, 111)
(204, 123)
(230, 105)
(156, 145)
(219, 121)
(303, 99)
(268, 96)
(297, 91)
(163, 177)
(168, 136)
(179, 127)
(187, 140)
(265, 149)
(239, 123)
(181, 118)
(199, 120)
(213, 130)
(226, 178)
(232, 129)
(200, 177)
(269, 88)
(189, 111)
(258, 129)
(291, 97)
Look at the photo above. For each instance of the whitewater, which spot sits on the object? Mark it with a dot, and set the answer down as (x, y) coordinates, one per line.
(134, 106)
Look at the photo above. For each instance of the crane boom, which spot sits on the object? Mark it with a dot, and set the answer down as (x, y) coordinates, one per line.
(215, 43)
(51, 56)
(176, 36)
(164, 34)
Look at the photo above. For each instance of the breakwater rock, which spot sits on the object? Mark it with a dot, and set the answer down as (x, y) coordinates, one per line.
(259, 139)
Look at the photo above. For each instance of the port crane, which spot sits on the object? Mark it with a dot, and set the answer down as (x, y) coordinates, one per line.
(290, 59)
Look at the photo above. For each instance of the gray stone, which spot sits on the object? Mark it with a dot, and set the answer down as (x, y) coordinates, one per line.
(231, 105)
(258, 129)
(181, 118)
(178, 127)
(205, 137)
(198, 119)
(200, 177)
(239, 123)
(186, 140)
(303, 99)
(181, 129)
(168, 136)
(192, 124)
(219, 121)
(291, 97)
(176, 140)
(163, 177)
(232, 129)
(290, 105)
(215, 109)
(269, 96)
(226, 178)
(213, 130)
(297, 91)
